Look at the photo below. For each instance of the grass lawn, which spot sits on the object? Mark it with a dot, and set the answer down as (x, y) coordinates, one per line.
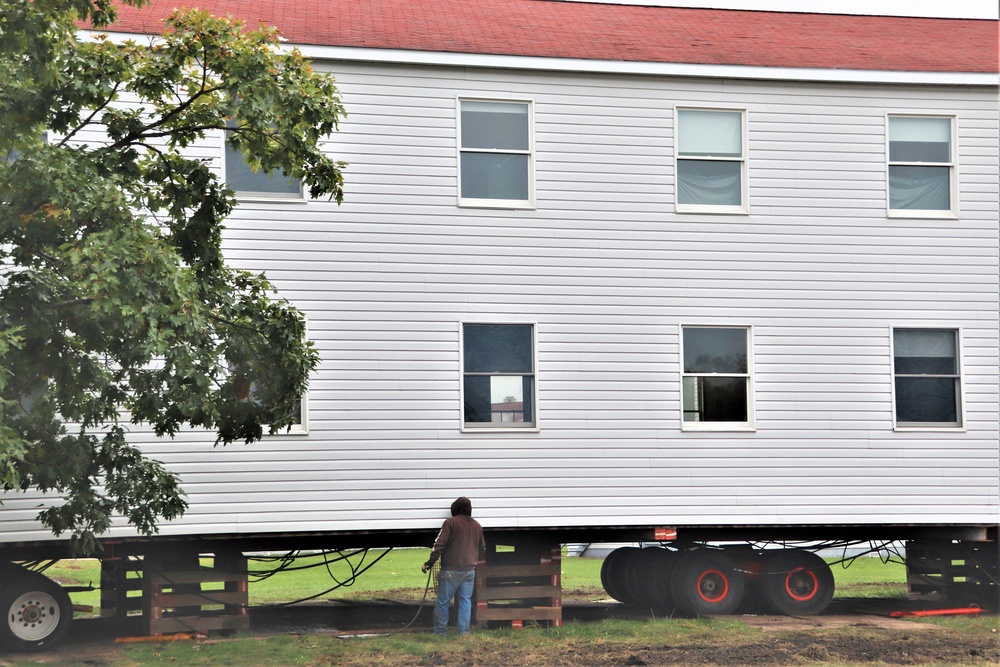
(396, 575)
(949, 642)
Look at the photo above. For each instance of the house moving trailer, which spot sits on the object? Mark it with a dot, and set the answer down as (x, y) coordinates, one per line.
(718, 280)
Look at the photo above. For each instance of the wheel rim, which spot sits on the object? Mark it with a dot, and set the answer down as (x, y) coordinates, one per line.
(33, 616)
(713, 586)
(801, 584)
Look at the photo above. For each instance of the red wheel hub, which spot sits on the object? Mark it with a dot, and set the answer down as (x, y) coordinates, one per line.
(713, 586)
(801, 584)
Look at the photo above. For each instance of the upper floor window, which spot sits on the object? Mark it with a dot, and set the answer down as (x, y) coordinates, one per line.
(498, 375)
(717, 391)
(711, 161)
(921, 166)
(927, 381)
(495, 154)
(248, 183)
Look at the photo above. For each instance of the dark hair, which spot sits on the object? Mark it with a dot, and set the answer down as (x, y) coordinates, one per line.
(461, 506)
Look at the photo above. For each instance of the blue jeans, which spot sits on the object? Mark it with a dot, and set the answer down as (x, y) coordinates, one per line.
(456, 584)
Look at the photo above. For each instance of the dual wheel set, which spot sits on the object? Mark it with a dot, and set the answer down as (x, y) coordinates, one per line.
(704, 581)
(37, 611)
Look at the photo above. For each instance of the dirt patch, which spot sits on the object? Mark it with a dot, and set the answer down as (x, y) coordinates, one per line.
(873, 646)
(834, 622)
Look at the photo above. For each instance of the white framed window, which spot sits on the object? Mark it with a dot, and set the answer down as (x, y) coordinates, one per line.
(711, 163)
(301, 424)
(921, 172)
(498, 376)
(927, 378)
(300, 413)
(250, 184)
(716, 378)
(496, 147)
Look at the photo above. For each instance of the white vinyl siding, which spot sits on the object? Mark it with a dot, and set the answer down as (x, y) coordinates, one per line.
(608, 273)
(921, 171)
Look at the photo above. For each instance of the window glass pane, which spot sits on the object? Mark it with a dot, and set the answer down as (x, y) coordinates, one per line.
(920, 188)
(715, 350)
(497, 348)
(925, 352)
(477, 396)
(495, 125)
(714, 133)
(927, 400)
(919, 139)
(494, 176)
(710, 183)
(715, 399)
(919, 151)
(498, 399)
(297, 411)
(240, 178)
(907, 128)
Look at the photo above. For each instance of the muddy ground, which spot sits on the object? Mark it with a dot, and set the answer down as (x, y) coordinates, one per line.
(852, 631)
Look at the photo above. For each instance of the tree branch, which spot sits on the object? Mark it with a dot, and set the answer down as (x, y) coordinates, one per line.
(72, 303)
(103, 105)
(144, 131)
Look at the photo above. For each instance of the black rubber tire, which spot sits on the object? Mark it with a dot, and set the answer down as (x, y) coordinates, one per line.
(37, 612)
(613, 573)
(638, 570)
(797, 583)
(706, 583)
(659, 581)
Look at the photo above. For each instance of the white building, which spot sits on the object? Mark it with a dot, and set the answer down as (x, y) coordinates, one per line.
(603, 265)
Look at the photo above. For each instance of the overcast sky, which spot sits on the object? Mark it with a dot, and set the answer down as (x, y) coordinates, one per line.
(971, 9)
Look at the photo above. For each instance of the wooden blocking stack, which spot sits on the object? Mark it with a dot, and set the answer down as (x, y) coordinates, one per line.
(520, 583)
(121, 587)
(958, 572)
(195, 595)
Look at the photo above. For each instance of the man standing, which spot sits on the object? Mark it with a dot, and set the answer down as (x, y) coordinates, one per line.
(459, 545)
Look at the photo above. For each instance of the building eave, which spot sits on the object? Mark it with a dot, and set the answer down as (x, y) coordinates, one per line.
(395, 56)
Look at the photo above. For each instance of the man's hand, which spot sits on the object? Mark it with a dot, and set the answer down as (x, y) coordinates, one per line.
(426, 566)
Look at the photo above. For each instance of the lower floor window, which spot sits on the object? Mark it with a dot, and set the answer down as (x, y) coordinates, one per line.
(716, 380)
(498, 383)
(927, 383)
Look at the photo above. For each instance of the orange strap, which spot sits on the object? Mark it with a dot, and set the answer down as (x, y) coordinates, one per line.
(974, 609)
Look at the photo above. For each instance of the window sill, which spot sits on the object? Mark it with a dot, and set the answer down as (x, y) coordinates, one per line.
(499, 429)
(717, 427)
(718, 210)
(497, 203)
(923, 215)
(929, 429)
(293, 430)
(255, 198)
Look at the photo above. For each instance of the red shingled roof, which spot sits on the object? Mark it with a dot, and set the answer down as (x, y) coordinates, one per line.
(555, 29)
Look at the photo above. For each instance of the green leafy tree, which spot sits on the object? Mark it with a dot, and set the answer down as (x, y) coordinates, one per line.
(116, 305)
